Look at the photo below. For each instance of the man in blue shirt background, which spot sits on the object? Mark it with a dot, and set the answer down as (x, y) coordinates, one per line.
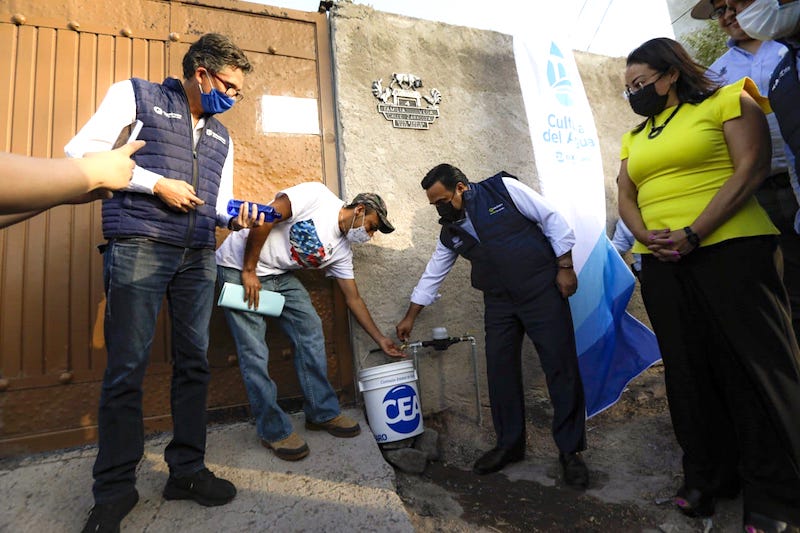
(757, 60)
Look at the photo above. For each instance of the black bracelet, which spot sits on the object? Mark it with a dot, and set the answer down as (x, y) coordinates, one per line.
(692, 237)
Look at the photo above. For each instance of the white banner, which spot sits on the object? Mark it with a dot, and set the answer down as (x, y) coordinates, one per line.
(613, 347)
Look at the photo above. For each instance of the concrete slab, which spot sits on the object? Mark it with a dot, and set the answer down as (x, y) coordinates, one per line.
(343, 485)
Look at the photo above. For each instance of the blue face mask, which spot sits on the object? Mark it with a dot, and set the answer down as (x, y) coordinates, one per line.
(215, 101)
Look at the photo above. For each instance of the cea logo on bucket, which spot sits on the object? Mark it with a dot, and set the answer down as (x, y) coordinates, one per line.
(557, 76)
(401, 406)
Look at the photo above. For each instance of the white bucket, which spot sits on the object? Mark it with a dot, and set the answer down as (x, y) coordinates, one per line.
(392, 400)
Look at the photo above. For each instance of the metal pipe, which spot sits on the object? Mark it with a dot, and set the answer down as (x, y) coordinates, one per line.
(441, 345)
(414, 347)
(474, 343)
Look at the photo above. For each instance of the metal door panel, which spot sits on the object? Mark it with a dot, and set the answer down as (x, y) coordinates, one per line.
(8, 54)
(78, 220)
(252, 32)
(23, 76)
(32, 246)
(56, 70)
(56, 61)
(65, 89)
(11, 264)
(86, 259)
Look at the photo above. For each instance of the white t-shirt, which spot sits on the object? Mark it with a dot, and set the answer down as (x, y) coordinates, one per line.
(310, 238)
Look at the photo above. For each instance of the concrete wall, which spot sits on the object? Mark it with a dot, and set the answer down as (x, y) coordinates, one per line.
(482, 129)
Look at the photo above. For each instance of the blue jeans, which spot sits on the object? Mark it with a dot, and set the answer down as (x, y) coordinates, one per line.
(137, 273)
(300, 321)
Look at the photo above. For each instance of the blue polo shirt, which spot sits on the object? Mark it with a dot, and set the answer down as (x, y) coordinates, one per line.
(737, 63)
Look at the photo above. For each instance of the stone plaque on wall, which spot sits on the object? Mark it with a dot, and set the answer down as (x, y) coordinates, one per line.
(402, 102)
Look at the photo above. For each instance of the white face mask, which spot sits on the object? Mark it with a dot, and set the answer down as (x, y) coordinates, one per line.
(358, 235)
(767, 19)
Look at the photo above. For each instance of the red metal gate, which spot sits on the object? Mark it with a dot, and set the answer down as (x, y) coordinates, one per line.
(56, 63)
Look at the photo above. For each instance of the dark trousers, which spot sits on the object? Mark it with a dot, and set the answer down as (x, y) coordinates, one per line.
(777, 198)
(138, 273)
(790, 248)
(731, 367)
(548, 323)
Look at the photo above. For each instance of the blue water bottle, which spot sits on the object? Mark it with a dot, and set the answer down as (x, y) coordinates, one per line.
(267, 210)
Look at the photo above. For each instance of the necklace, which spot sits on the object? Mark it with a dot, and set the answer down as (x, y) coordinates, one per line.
(655, 131)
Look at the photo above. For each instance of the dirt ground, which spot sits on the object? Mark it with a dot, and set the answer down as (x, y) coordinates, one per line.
(634, 465)
(632, 455)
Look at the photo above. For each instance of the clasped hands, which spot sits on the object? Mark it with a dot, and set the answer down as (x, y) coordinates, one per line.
(668, 245)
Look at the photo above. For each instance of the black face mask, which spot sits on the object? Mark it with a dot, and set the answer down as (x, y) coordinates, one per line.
(647, 102)
(448, 213)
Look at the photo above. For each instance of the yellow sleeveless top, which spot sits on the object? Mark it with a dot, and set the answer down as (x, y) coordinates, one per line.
(679, 171)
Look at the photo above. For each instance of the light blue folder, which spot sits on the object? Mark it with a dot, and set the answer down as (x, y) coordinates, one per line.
(269, 303)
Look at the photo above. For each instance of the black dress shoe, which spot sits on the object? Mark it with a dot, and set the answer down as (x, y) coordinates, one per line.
(496, 458)
(575, 472)
(106, 517)
(203, 487)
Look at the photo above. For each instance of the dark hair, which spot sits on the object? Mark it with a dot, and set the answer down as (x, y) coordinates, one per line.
(367, 209)
(662, 54)
(214, 52)
(447, 175)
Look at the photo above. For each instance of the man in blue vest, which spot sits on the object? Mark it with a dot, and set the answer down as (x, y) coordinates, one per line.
(779, 20)
(757, 59)
(161, 241)
(520, 251)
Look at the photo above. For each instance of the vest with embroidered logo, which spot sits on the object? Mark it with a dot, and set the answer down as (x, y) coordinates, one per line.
(511, 256)
(170, 152)
(784, 88)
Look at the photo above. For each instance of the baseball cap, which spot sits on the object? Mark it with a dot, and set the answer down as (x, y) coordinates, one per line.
(703, 10)
(375, 202)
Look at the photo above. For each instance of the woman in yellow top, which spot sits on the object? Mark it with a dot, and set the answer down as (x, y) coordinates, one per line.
(711, 284)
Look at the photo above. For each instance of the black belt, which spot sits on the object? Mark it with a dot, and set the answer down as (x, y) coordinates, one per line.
(780, 180)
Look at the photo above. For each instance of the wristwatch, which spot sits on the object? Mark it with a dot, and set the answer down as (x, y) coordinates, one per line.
(692, 237)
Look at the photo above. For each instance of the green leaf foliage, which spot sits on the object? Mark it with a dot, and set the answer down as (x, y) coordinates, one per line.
(707, 43)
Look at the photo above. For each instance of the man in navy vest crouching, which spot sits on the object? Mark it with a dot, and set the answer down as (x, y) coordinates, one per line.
(520, 251)
(160, 233)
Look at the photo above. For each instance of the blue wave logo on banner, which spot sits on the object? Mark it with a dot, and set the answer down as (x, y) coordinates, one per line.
(613, 347)
(557, 76)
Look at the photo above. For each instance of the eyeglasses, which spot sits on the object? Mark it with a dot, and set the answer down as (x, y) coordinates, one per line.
(230, 90)
(720, 11)
(639, 85)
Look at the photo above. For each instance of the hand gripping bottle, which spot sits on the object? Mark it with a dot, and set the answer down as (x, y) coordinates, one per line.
(267, 210)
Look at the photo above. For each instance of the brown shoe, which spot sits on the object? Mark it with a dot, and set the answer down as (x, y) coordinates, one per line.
(292, 448)
(341, 426)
